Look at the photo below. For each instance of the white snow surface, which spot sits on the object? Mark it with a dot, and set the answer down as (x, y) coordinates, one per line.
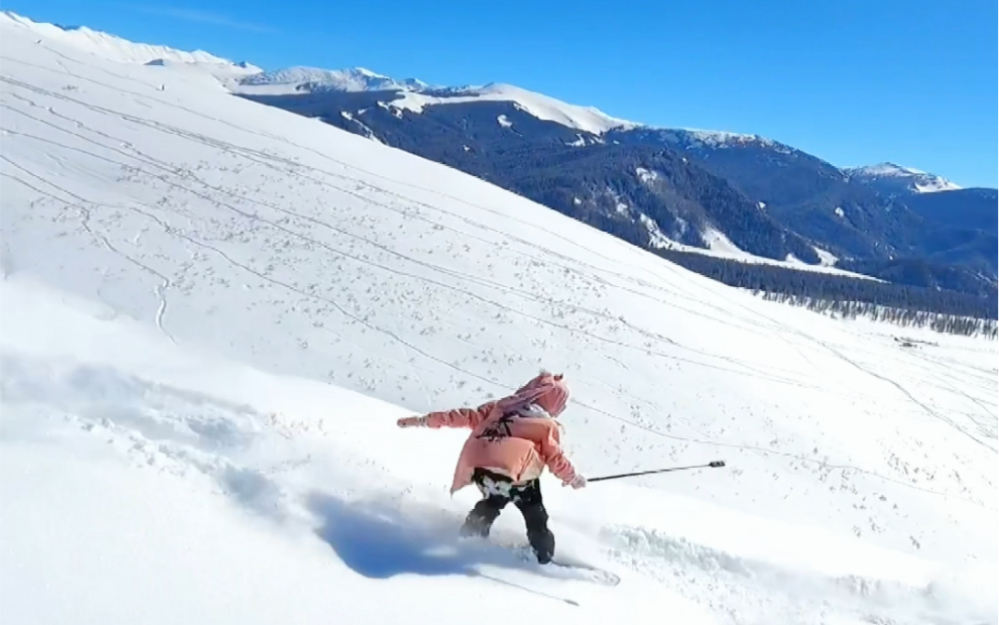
(213, 311)
(718, 242)
(645, 175)
(826, 258)
(720, 246)
(109, 46)
(934, 184)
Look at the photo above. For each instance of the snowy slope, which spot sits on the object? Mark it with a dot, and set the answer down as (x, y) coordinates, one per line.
(158, 485)
(897, 179)
(180, 264)
(109, 46)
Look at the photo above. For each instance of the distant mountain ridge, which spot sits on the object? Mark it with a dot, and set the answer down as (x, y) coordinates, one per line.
(738, 195)
(413, 95)
(312, 79)
(822, 211)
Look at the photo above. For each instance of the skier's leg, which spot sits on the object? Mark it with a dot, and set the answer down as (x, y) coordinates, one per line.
(496, 494)
(483, 514)
(528, 501)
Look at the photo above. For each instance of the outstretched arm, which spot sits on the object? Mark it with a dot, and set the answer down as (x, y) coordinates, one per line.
(457, 418)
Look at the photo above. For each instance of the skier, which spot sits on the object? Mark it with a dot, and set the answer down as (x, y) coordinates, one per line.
(512, 441)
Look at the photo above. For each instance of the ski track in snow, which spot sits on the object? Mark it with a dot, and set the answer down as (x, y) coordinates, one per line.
(860, 485)
(180, 432)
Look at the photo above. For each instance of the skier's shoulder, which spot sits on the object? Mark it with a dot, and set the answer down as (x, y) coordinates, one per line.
(536, 419)
(534, 411)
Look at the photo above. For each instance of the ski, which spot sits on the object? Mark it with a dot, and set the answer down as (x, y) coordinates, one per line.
(533, 591)
(584, 571)
(597, 574)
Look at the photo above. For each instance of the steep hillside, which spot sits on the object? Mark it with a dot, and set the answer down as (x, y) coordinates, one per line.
(802, 192)
(647, 195)
(197, 288)
(958, 245)
(963, 210)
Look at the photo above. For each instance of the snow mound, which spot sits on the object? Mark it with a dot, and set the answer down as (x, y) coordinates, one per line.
(718, 242)
(720, 246)
(900, 178)
(826, 258)
(645, 175)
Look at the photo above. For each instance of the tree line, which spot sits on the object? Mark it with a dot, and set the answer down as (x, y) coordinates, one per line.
(951, 324)
(817, 287)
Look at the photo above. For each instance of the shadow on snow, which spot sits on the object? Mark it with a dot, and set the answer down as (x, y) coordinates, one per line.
(380, 541)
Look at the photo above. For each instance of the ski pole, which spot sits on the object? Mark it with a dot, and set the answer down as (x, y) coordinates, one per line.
(714, 464)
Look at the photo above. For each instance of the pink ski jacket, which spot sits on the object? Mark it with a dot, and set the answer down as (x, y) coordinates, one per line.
(516, 436)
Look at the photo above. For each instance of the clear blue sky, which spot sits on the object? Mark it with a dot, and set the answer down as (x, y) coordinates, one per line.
(852, 81)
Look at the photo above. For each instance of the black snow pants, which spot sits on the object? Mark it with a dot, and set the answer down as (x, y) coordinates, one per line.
(497, 491)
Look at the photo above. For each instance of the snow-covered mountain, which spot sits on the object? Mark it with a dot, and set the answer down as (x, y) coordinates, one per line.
(311, 79)
(774, 202)
(584, 118)
(213, 311)
(845, 213)
(415, 95)
(897, 180)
